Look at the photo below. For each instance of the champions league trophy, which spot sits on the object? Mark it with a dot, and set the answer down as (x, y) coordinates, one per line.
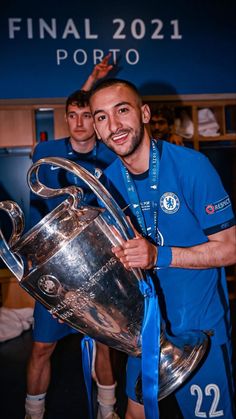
(66, 263)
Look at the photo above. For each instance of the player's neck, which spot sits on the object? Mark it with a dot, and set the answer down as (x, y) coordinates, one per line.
(138, 162)
(83, 146)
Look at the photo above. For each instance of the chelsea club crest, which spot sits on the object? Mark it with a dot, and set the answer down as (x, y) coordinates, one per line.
(169, 203)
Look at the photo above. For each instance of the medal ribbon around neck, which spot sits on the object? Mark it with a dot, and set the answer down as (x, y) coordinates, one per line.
(150, 334)
(154, 164)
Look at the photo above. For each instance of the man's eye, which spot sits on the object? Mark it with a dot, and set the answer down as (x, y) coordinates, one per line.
(101, 118)
(88, 115)
(71, 116)
(123, 110)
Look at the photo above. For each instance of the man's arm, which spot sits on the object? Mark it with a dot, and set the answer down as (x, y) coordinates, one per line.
(220, 250)
(99, 72)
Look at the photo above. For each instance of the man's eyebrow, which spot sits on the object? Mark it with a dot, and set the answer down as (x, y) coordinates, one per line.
(97, 111)
(80, 109)
(115, 106)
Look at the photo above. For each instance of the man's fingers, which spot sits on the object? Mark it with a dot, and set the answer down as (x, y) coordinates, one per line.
(106, 58)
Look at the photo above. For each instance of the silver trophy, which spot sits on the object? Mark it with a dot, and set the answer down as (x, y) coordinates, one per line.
(66, 263)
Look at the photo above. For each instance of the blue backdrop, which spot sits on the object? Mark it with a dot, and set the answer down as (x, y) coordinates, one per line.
(48, 48)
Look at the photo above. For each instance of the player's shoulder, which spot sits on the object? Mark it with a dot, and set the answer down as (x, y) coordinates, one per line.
(191, 167)
(183, 156)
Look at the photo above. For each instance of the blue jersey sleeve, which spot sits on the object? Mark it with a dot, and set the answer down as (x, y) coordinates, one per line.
(210, 202)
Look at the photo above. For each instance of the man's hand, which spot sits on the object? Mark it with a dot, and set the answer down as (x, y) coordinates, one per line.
(135, 253)
(100, 71)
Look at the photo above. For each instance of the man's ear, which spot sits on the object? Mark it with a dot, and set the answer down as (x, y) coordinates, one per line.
(146, 113)
(97, 133)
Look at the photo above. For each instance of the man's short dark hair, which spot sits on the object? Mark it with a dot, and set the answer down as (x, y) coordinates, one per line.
(112, 82)
(78, 98)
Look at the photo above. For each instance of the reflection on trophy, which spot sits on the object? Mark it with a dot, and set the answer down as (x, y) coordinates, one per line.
(66, 263)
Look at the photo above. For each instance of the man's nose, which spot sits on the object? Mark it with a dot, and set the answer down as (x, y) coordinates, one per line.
(79, 120)
(114, 123)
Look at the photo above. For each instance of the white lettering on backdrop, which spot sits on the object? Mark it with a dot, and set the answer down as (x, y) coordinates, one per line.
(136, 30)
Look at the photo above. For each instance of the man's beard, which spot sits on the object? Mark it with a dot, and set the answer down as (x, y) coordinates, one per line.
(135, 143)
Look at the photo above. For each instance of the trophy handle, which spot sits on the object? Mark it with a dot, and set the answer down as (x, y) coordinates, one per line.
(100, 191)
(124, 227)
(42, 190)
(18, 224)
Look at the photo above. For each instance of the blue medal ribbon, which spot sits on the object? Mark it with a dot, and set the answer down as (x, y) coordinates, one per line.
(150, 334)
(154, 164)
(150, 349)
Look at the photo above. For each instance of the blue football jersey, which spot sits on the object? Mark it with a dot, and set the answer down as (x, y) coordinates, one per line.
(192, 204)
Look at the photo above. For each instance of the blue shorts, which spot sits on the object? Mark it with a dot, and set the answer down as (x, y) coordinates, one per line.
(209, 391)
(46, 328)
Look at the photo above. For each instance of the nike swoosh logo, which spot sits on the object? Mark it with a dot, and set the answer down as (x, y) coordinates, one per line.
(54, 167)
